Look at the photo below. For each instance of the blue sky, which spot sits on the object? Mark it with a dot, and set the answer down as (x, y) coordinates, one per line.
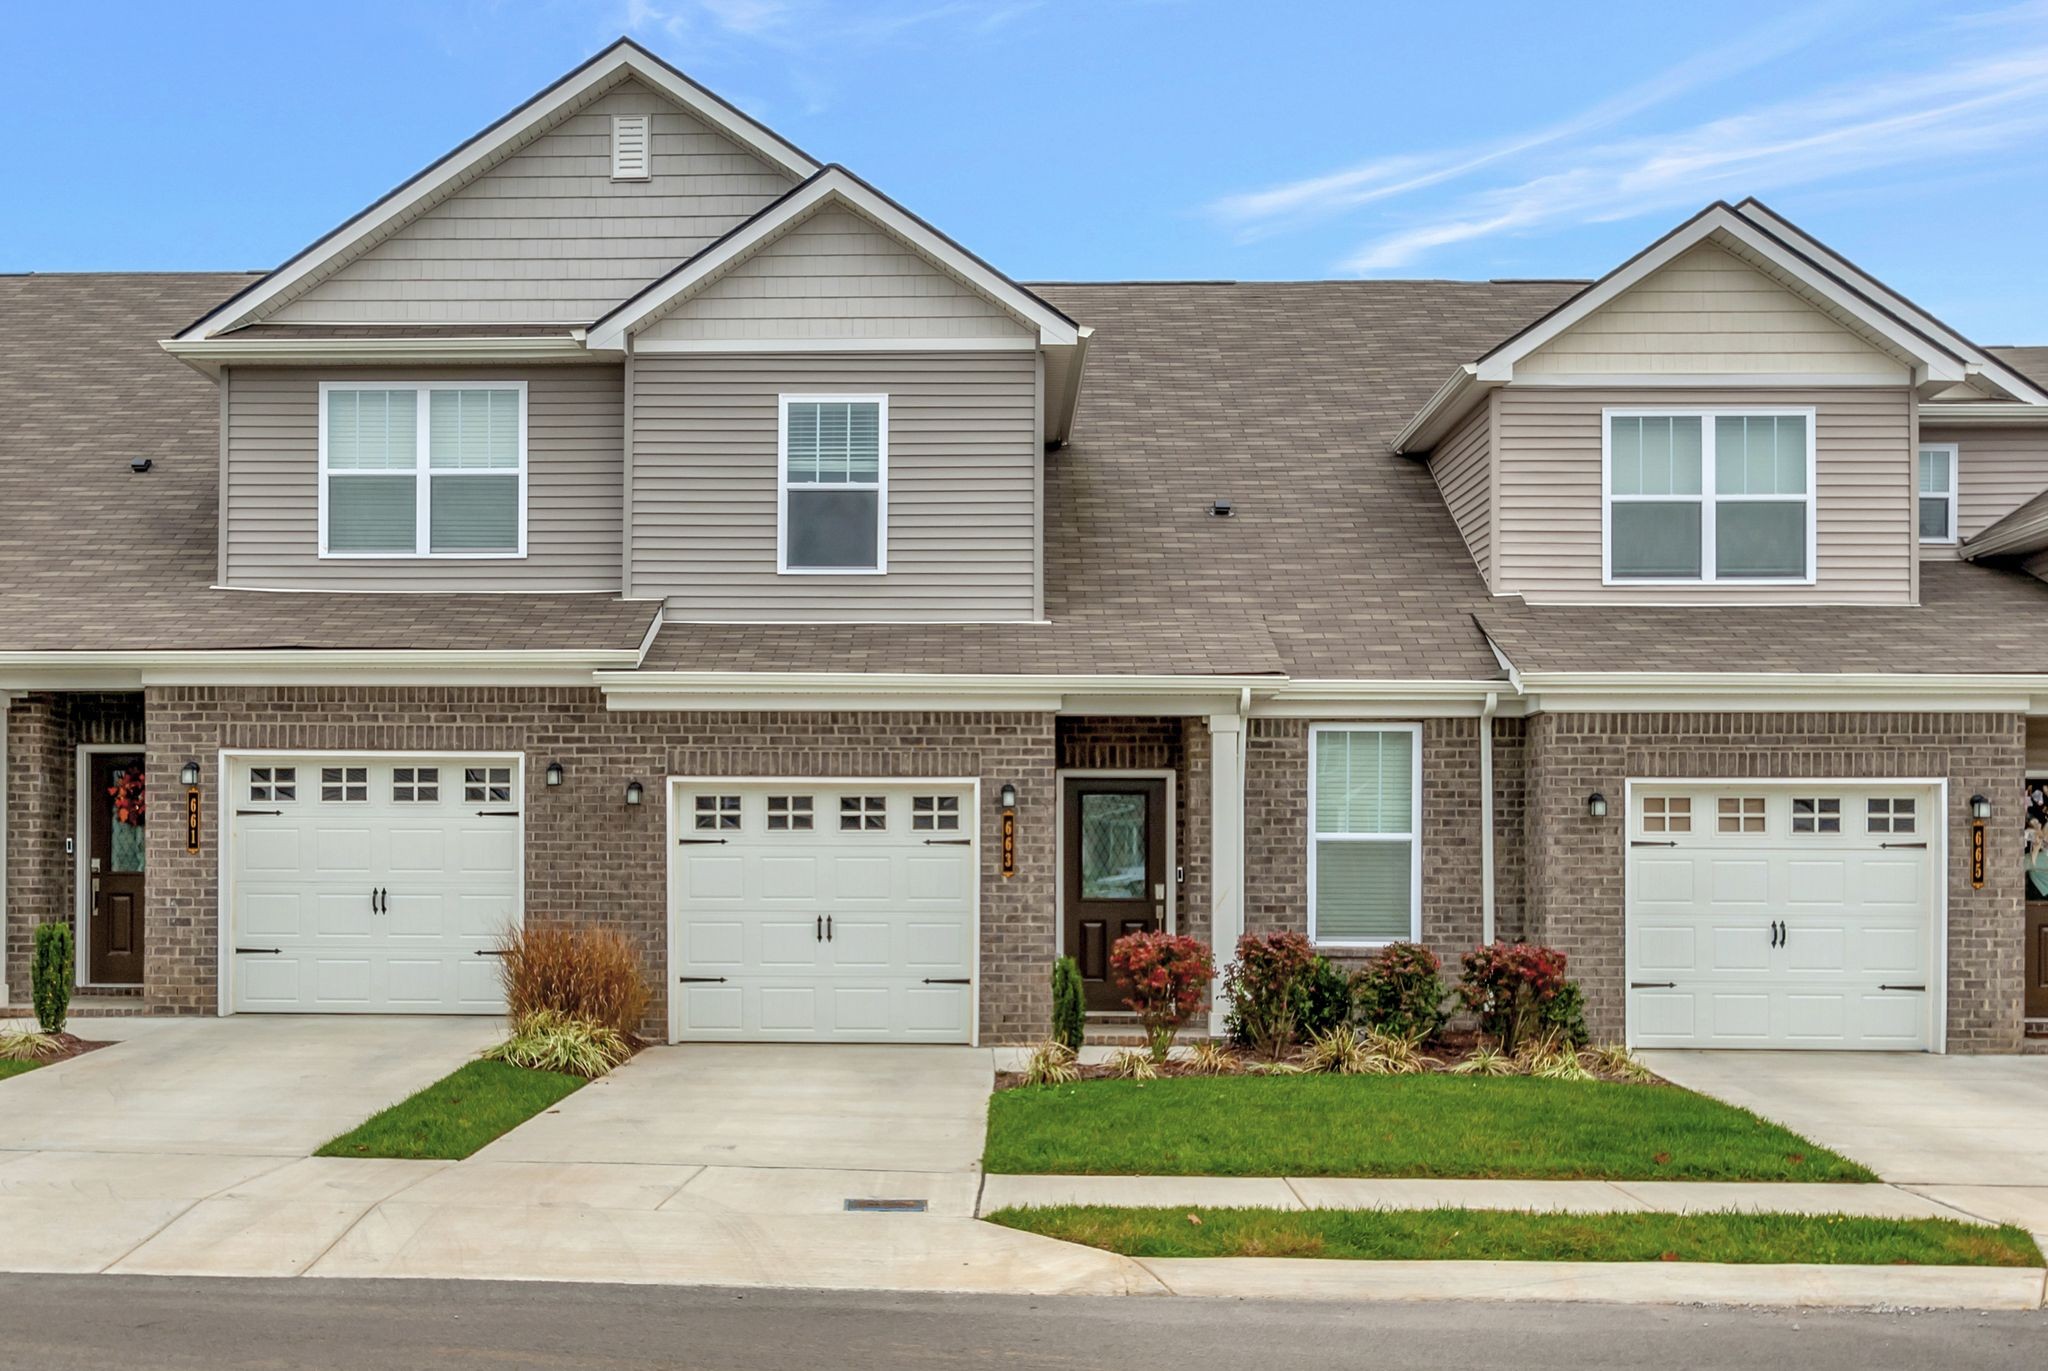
(1099, 139)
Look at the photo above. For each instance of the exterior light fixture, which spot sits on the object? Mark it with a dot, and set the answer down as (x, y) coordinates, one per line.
(554, 773)
(1009, 795)
(633, 792)
(188, 774)
(1596, 805)
(1980, 808)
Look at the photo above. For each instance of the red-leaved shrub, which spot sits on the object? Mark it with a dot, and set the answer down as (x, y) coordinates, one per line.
(1515, 987)
(1265, 987)
(1165, 979)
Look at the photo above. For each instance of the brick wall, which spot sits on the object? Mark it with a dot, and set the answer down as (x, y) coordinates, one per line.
(1276, 829)
(44, 732)
(588, 855)
(1575, 862)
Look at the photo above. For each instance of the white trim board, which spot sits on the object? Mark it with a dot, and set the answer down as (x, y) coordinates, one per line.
(622, 61)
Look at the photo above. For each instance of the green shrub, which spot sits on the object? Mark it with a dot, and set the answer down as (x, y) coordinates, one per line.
(1323, 999)
(51, 973)
(548, 1041)
(1401, 991)
(1069, 1006)
(1565, 1015)
(1264, 985)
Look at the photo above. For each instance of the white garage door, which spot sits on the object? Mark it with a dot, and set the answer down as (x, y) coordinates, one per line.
(372, 885)
(1767, 916)
(826, 911)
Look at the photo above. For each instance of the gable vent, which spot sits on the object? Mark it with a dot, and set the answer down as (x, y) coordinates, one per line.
(630, 138)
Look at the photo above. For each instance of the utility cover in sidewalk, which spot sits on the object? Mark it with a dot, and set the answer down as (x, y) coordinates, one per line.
(885, 1206)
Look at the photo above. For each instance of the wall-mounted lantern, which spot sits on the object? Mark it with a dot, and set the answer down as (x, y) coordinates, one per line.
(554, 773)
(1596, 806)
(188, 774)
(1980, 808)
(634, 793)
(1009, 795)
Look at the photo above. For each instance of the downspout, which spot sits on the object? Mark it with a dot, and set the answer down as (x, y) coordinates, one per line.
(1486, 912)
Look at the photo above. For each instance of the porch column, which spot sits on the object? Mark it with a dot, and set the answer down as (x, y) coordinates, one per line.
(1226, 850)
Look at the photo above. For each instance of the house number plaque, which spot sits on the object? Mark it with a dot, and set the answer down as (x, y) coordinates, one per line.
(1009, 843)
(1977, 855)
(192, 819)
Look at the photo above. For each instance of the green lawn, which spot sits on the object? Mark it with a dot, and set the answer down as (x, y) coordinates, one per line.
(1435, 1125)
(457, 1114)
(12, 1068)
(1508, 1235)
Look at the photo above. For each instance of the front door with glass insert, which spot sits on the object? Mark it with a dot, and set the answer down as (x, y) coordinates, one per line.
(1113, 880)
(116, 800)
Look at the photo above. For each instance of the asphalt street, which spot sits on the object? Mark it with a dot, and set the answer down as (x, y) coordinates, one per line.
(57, 1323)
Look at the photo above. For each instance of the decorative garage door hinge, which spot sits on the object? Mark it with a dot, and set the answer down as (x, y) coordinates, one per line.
(699, 979)
(1651, 842)
(698, 841)
(1653, 985)
(240, 950)
(1922, 845)
(1903, 987)
(497, 814)
(946, 980)
(949, 842)
(259, 811)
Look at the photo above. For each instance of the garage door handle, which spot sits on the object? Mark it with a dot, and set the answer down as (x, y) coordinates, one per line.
(1651, 842)
(949, 842)
(947, 980)
(1902, 987)
(700, 841)
(259, 811)
(699, 979)
(1922, 845)
(1653, 985)
(241, 950)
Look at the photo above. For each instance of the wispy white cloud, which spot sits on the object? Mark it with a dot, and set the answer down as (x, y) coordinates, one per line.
(1985, 90)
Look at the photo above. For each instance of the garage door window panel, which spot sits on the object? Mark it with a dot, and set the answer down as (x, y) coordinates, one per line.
(1667, 814)
(790, 813)
(712, 812)
(345, 784)
(416, 784)
(271, 784)
(935, 813)
(863, 813)
(1897, 814)
(1365, 807)
(1743, 814)
(487, 785)
(1705, 496)
(1816, 814)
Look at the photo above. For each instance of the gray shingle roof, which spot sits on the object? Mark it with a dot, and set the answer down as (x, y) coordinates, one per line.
(1970, 620)
(2031, 362)
(93, 556)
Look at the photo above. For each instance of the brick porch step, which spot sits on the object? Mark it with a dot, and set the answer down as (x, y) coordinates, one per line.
(96, 1003)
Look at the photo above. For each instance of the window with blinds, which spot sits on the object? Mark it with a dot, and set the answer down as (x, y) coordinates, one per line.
(423, 470)
(1709, 496)
(835, 458)
(1364, 842)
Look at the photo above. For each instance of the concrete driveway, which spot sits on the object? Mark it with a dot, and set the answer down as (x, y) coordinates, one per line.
(1971, 1132)
(251, 1085)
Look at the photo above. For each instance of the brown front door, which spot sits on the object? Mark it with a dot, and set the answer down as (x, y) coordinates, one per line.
(2037, 959)
(1114, 877)
(114, 866)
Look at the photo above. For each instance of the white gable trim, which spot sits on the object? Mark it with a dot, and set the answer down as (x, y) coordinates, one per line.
(1979, 361)
(1931, 361)
(622, 61)
(610, 334)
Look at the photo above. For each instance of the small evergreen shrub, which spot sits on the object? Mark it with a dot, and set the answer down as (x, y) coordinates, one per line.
(1323, 999)
(1401, 991)
(52, 970)
(1069, 1006)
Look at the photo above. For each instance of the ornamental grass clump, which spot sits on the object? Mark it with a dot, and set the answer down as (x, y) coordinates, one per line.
(1265, 987)
(1130, 1064)
(576, 971)
(1486, 1060)
(545, 1040)
(1343, 1051)
(1211, 1058)
(1613, 1059)
(1399, 1054)
(28, 1047)
(1051, 1063)
(1165, 978)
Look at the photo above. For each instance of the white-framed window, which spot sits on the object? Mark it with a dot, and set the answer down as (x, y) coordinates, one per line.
(1817, 814)
(1667, 814)
(863, 813)
(487, 785)
(1938, 492)
(1891, 814)
(790, 813)
(1705, 496)
(423, 469)
(717, 811)
(1742, 814)
(345, 784)
(1365, 837)
(832, 507)
(273, 783)
(935, 813)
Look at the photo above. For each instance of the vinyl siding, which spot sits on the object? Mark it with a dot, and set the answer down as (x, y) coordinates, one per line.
(1999, 470)
(961, 505)
(1547, 528)
(1708, 313)
(1461, 465)
(836, 275)
(547, 236)
(575, 441)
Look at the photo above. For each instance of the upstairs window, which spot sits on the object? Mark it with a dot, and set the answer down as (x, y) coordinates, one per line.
(1709, 496)
(1937, 492)
(834, 487)
(422, 470)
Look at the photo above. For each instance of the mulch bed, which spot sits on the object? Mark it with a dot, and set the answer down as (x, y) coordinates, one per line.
(70, 1045)
(1443, 1052)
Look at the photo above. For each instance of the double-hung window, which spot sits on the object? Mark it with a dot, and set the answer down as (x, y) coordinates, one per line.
(1365, 843)
(834, 484)
(422, 469)
(1937, 492)
(1703, 496)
